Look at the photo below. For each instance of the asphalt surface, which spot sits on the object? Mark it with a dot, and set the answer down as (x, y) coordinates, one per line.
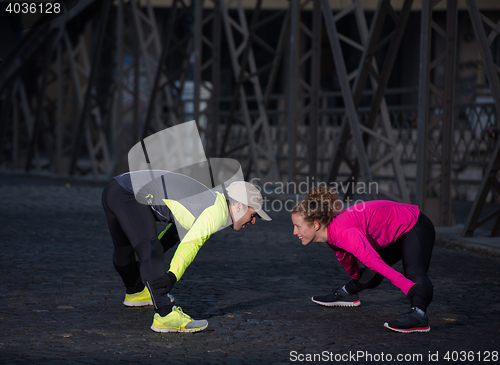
(61, 300)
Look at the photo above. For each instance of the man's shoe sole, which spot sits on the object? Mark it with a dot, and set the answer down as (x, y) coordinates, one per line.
(137, 304)
(156, 329)
(357, 303)
(409, 330)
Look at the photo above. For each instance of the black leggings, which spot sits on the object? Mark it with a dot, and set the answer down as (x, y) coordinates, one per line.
(133, 230)
(414, 248)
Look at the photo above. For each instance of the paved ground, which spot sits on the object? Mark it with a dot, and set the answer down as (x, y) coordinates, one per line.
(61, 301)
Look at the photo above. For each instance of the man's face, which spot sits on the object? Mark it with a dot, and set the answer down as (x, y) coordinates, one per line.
(241, 219)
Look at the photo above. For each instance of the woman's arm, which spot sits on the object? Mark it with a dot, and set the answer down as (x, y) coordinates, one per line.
(355, 242)
(348, 261)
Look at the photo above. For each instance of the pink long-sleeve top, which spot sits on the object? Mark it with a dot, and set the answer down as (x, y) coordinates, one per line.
(363, 229)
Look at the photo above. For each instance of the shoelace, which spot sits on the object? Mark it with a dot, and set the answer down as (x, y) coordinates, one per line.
(181, 312)
(407, 313)
(337, 292)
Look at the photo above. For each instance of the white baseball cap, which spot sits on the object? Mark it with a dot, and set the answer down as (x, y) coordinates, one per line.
(248, 194)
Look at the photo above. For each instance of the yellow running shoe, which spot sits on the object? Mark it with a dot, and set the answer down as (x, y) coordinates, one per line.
(177, 321)
(140, 299)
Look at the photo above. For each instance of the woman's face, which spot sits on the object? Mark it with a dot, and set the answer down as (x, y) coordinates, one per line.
(305, 231)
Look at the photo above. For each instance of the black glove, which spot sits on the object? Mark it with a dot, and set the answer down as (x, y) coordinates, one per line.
(164, 283)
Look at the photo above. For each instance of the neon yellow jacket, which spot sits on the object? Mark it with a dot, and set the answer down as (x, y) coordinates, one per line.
(199, 229)
(197, 211)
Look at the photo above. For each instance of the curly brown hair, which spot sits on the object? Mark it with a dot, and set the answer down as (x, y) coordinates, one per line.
(320, 205)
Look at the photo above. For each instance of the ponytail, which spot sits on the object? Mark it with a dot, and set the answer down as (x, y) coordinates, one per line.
(320, 205)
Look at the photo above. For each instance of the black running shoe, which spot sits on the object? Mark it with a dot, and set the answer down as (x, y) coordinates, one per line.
(410, 322)
(338, 298)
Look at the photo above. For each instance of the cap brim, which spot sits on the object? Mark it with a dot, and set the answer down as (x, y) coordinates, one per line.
(263, 215)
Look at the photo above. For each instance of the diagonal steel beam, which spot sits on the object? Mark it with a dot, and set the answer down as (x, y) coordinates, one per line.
(368, 69)
(261, 149)
(434, 166)
(303, 90)
(159, 69)
(491, 179)
(105, 10)
(50, 52)
(347, 94)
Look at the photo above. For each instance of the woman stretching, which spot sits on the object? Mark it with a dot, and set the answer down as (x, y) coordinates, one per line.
(379, 234)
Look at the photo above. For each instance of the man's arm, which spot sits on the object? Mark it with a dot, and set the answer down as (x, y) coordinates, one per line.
(205, 225)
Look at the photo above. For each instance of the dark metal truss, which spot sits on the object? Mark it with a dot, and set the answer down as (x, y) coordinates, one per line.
(436, 115)
(491, 180)
(77, 93)
(351, 126)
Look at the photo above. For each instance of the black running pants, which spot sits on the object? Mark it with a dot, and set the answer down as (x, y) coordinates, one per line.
(133, 230)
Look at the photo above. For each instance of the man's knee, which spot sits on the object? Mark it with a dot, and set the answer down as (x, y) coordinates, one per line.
(149, 248)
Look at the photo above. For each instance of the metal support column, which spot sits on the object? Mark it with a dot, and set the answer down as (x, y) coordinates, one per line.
(371, 44)
(150, 46)
(436, 115)
(153, 110)
(206, 70)
(94, 145)
(259, 141)
(350, 106)
(303, 90)
(293, 78)
(314, 90)
(41, 98)
(491, 179)
(124, 119)
(214, 62)
(181, 61)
